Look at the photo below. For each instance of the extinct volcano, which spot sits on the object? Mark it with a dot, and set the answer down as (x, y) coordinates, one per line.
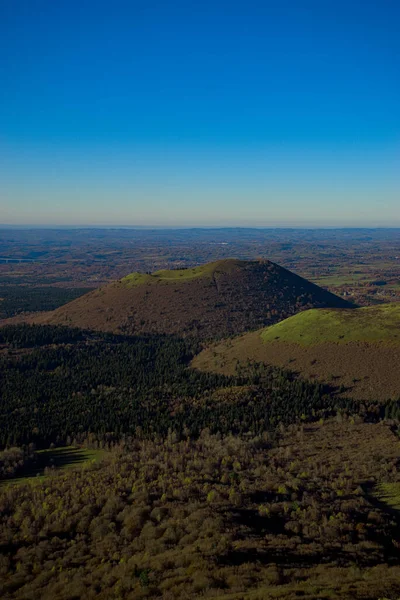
(356, 351)
(212, 301)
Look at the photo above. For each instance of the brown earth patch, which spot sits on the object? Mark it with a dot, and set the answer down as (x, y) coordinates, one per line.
(367, 371)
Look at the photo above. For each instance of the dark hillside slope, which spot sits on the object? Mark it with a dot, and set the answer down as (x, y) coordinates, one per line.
(357, 351)
(211, 301)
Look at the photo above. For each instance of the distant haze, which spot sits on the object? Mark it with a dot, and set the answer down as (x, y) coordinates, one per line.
(210, 114)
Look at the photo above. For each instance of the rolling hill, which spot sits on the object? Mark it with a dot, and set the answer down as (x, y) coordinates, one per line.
(212, 301)
(358, 349)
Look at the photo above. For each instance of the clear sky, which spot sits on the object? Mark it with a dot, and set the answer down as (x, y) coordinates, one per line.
(283, 112)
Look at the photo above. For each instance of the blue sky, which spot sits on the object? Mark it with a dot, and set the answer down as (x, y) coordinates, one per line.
(200, 113)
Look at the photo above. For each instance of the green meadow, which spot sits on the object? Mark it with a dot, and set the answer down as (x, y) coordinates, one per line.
(136, 279)
(368, 324)
(339, 279)
(174, 275)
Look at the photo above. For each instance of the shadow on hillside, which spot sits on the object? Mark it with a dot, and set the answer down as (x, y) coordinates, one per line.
(257, 524)
(255, 527)
(289, 559)
(330, 388)
(57, 458)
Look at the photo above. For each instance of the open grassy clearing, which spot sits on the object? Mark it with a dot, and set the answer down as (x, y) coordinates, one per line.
(390, 494)
(360, 276)
(66, 457)
(341, 280)
(134, 279)
(316, 326)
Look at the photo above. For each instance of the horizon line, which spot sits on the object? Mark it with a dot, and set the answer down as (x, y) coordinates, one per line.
(191, 227)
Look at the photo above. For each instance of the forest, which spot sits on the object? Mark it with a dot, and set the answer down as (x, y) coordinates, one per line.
(290, 515)
(17, 299)
(58, 384)
(259, 485)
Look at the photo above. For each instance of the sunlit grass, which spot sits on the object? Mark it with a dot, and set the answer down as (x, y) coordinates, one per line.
(136, 279)
(390, 494)
(66, 457)
(340, 280)
(369, 324)
(174, 275)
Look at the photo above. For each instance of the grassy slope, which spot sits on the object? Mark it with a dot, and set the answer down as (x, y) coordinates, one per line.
(316, 326)
(358, 349)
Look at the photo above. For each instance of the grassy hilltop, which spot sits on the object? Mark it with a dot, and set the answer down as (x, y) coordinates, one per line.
(183, 275)
(368, 324)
